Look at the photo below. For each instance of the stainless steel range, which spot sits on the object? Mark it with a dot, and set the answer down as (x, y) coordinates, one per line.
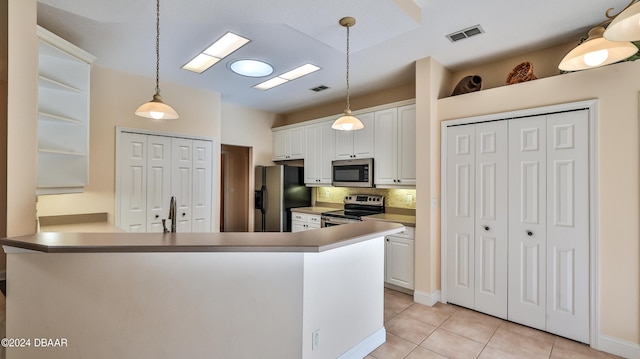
(355, 207)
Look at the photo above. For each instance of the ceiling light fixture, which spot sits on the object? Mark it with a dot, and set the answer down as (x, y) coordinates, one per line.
(287, 76)
(347, 122)
(251, 68)
(156, 109)
(220, 49)
(626, 25)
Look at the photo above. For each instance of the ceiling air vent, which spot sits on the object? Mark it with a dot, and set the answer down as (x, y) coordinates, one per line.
(319, 88)
(465, 33)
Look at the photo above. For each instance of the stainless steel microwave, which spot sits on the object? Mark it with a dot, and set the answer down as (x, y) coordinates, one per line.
(353, 173)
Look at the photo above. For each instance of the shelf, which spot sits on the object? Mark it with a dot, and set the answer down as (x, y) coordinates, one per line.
(55, 118)
(48, 83)
(60, 152)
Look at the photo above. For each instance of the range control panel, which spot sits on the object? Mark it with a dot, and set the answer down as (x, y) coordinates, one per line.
(366, 199)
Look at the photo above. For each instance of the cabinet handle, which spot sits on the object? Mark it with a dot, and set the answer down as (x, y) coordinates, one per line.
(398, 181)
(486, 228)
(529, 233)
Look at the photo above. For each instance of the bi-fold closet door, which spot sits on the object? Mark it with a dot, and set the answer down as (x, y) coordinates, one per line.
(517, 220)
(154, 168)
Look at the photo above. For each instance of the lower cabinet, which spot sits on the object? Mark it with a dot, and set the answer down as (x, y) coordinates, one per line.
(399, 258)
(304, 221)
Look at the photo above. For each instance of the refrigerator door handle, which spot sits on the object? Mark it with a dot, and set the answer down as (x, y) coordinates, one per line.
(259, 200)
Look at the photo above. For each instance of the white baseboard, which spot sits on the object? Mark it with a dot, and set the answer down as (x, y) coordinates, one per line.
(429, 299)
(366, 346)
(618, 347)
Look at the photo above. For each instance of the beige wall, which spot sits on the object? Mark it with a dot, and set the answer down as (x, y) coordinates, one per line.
(114, 97)
(394, 94)
(22, 113)
(616, 87)
(251, 128)
(4, 67)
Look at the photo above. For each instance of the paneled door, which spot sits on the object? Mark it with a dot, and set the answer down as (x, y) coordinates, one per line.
(202, 172)
(477, 217)
(158, 181)
(549, 223)
(133, 182)
(181, 181)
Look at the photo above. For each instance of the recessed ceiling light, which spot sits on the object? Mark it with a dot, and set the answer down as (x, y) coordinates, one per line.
(251, 68)
(220, 49)
(300, 71)
(287, 76)
(271, 83)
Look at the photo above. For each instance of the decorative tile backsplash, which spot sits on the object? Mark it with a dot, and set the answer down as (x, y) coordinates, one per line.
(395, 198)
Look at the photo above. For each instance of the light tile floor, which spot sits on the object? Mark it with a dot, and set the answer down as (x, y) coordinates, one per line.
(416, 331)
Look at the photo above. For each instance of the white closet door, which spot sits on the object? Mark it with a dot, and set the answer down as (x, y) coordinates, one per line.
(158, 181)
(133, 182)
(568, 225)
(181, 181)
(460, 215)
(527, 221)
(491, 182)
(202, 152)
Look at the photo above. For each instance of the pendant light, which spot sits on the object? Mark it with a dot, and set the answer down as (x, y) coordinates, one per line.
(596, 51)
(156, 109)
(625, 26)
(347, 122)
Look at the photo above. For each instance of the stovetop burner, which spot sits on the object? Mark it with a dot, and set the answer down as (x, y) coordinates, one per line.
(357, 206)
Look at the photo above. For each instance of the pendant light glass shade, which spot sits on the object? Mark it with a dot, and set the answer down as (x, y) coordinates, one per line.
(626, 26)
(347, 122)
(156, 108)
(596, 51)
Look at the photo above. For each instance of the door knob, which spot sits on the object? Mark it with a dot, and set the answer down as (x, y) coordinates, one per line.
(529, 233)
(183, 214)
(157, 216)
(486, 228)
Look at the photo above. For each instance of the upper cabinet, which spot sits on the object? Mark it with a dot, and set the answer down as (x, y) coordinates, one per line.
(356, 144)
(318, 154)
(63, 115)
(395, 141)
(288, 144)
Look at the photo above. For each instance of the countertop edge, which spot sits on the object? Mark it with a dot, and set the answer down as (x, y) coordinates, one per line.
(314, 241)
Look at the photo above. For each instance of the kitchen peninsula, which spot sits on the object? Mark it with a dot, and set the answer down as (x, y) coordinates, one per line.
(313, 294)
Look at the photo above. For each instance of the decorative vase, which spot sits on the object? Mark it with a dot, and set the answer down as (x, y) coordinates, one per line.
(470, 83)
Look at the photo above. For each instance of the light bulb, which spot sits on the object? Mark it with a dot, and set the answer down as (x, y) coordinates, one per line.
(347, 126)
(156, 115)
(596, 58)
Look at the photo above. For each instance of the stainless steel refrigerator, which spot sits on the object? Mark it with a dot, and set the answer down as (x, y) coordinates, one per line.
(277, 190)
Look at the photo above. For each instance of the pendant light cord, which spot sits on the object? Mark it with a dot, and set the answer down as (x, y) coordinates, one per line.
(157, 46)
(348, 108)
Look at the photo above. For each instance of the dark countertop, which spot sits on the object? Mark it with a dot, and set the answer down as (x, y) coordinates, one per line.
(317, 240)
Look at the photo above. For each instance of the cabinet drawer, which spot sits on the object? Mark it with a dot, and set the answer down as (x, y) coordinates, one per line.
(408, 233)
(296, 216)
(313, 218)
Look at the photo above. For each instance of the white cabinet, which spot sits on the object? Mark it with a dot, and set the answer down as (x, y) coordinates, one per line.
(399, 258)
(152, 169)
(356, 144)
(318, 154)
(517, 220)
(288, 144)
(395, 146)
(63, 120)
(304, 221)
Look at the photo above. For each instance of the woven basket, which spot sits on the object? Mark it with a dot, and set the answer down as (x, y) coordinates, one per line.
(521, 73)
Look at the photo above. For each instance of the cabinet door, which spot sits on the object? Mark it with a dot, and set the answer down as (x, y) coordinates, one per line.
(460, 222)
(326, 153)
(386, 142)
(202, 177)
(133, 182)
(343, 144)
(491, 244)
(158, 181)
(527, 221)
(406, 145)
(399, 261)
(297, 226)
(181, 181)
(296, 143)
(312, 155)
(280, 145)
(363, 140)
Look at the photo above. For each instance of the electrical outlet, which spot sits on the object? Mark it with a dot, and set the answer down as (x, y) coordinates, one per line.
(315, 340)
(409, 198)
